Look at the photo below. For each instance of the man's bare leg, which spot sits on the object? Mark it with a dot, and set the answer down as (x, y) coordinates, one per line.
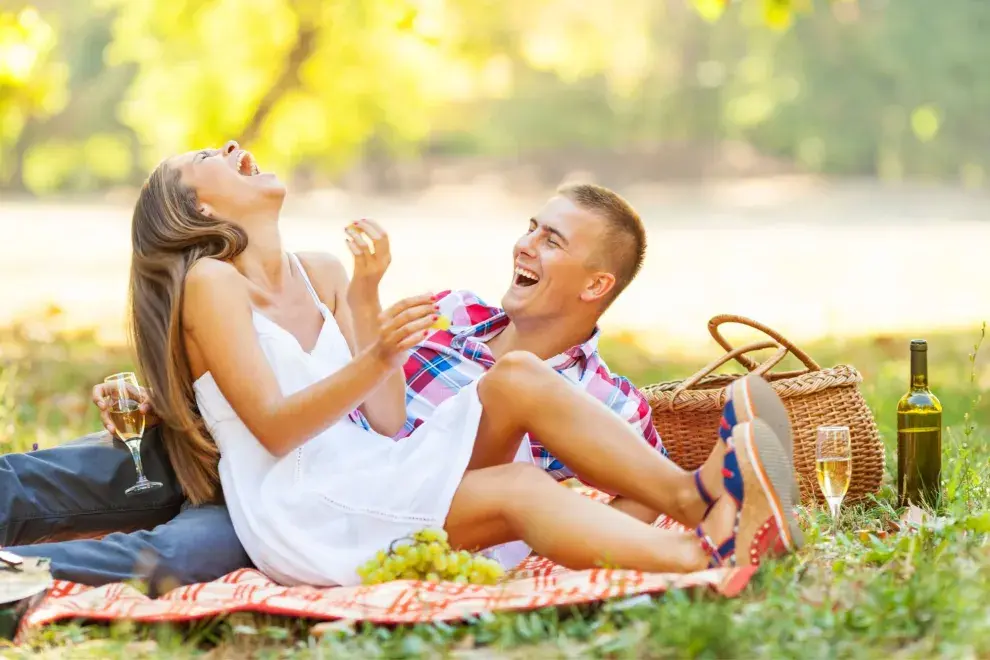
(520, 394)
(517, 501)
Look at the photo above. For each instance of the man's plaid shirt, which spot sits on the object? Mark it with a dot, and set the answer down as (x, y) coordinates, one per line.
(448, 360)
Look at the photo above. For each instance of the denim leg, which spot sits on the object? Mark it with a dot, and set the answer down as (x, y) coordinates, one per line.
(77, 489)
(198, 545)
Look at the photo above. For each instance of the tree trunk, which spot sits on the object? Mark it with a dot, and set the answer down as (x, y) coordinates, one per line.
(286, 81)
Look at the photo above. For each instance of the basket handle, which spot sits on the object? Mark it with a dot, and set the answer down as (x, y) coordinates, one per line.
(716, 321)
(734, 353)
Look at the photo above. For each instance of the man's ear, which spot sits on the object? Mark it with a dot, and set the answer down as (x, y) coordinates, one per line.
(599, 286)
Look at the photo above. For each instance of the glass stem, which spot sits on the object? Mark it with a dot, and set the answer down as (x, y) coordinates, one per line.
(833, 507)
(135, 448)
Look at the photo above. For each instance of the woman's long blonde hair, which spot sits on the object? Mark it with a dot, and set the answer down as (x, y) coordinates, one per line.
(169, 234)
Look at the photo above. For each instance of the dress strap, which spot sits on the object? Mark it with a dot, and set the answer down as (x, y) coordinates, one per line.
(309, 285)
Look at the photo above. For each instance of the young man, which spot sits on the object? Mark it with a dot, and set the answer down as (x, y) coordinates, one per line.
(577, 254)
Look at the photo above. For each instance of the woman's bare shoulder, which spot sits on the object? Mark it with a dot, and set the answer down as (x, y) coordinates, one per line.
(327, 274)
(211, 283)
(208, 272)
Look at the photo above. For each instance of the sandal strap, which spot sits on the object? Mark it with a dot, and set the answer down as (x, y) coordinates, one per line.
(727, 422)
(709, 547)
(719, 554)
(732, 475)
(706, 497)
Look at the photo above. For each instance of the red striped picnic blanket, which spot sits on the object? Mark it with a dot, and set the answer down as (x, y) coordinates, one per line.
(536, 583)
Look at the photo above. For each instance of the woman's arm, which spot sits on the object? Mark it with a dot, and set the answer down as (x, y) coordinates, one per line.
(385, 407)
(359, 310)
(217, 319)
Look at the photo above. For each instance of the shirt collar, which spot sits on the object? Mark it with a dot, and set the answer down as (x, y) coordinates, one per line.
(473, 342)
(582, 354)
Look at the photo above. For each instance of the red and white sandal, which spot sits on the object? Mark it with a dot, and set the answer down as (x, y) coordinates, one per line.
(750, 398)
(758, 475)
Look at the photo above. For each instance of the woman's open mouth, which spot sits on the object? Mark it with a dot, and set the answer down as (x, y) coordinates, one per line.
(246, 165)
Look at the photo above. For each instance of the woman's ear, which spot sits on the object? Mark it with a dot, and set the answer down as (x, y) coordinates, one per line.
(206, 210)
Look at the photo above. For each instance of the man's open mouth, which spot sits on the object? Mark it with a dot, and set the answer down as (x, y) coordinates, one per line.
(525, 277)
(246, 165)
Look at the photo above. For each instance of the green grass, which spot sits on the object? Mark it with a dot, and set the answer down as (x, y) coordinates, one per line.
(912, 595)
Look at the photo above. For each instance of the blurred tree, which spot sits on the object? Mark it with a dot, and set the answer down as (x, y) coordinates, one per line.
(33, 83)
(298, 81)
(95, 93)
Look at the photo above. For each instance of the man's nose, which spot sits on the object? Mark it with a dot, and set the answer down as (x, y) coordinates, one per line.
(230, 147)
(526, 245)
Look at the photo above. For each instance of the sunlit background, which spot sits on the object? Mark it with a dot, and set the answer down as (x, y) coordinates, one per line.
(819, 166)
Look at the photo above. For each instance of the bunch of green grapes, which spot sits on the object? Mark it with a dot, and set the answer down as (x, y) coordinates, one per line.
(427, 555)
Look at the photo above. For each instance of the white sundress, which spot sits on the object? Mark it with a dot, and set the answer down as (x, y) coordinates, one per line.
(316, 514)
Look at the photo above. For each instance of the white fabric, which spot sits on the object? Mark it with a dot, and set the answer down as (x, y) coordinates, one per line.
(313, 516)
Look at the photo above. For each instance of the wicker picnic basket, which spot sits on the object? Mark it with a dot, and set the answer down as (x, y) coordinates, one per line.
(686, 413)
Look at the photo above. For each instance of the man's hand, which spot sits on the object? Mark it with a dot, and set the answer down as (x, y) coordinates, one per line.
(369, 244)
(100, 396)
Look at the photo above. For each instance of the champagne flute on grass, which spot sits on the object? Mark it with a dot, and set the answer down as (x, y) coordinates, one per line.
(124, 407)
(833, 466)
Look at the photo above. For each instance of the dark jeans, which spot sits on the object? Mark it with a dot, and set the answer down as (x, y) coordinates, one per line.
(77, 489)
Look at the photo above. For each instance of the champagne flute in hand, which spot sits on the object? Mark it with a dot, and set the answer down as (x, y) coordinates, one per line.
(833, 465)
(124, 407)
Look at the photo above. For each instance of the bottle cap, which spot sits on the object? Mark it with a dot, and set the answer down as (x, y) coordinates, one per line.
(919, 345)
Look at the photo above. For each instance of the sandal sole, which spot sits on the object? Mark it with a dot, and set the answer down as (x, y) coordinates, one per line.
(764, 463)
(753, 398)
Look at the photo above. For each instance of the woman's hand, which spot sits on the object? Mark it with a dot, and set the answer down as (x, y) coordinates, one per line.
(101, 393)
(369, 244)
(403, 325)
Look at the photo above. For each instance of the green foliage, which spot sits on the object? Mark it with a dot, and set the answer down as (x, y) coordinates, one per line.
(92, 95)
(32, 79)
(298, 82)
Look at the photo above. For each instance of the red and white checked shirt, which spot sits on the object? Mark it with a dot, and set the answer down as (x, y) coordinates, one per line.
(448, 360)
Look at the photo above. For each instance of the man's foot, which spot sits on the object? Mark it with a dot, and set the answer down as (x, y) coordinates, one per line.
(754, 513)
(749, 398)
(752, 397)
(746, 399)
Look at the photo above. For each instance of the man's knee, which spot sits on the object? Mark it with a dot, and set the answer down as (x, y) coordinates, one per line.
(513, 377)
(520, 363)
(96, 438)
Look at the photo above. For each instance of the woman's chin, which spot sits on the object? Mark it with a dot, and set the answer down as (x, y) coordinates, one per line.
(269, 183)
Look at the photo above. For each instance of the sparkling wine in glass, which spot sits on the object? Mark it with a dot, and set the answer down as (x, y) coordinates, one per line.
(124, 408)
(833, 465)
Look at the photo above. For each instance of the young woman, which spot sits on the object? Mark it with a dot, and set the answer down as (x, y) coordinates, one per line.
(295, 373)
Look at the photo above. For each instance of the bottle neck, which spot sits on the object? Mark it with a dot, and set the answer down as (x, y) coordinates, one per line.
(919, 370)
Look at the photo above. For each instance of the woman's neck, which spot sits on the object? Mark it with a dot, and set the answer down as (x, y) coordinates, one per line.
(264, 262)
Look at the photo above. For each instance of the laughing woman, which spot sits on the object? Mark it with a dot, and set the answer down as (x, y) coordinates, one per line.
(294, 373)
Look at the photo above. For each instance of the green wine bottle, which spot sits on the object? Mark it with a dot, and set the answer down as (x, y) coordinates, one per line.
(919, 436)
